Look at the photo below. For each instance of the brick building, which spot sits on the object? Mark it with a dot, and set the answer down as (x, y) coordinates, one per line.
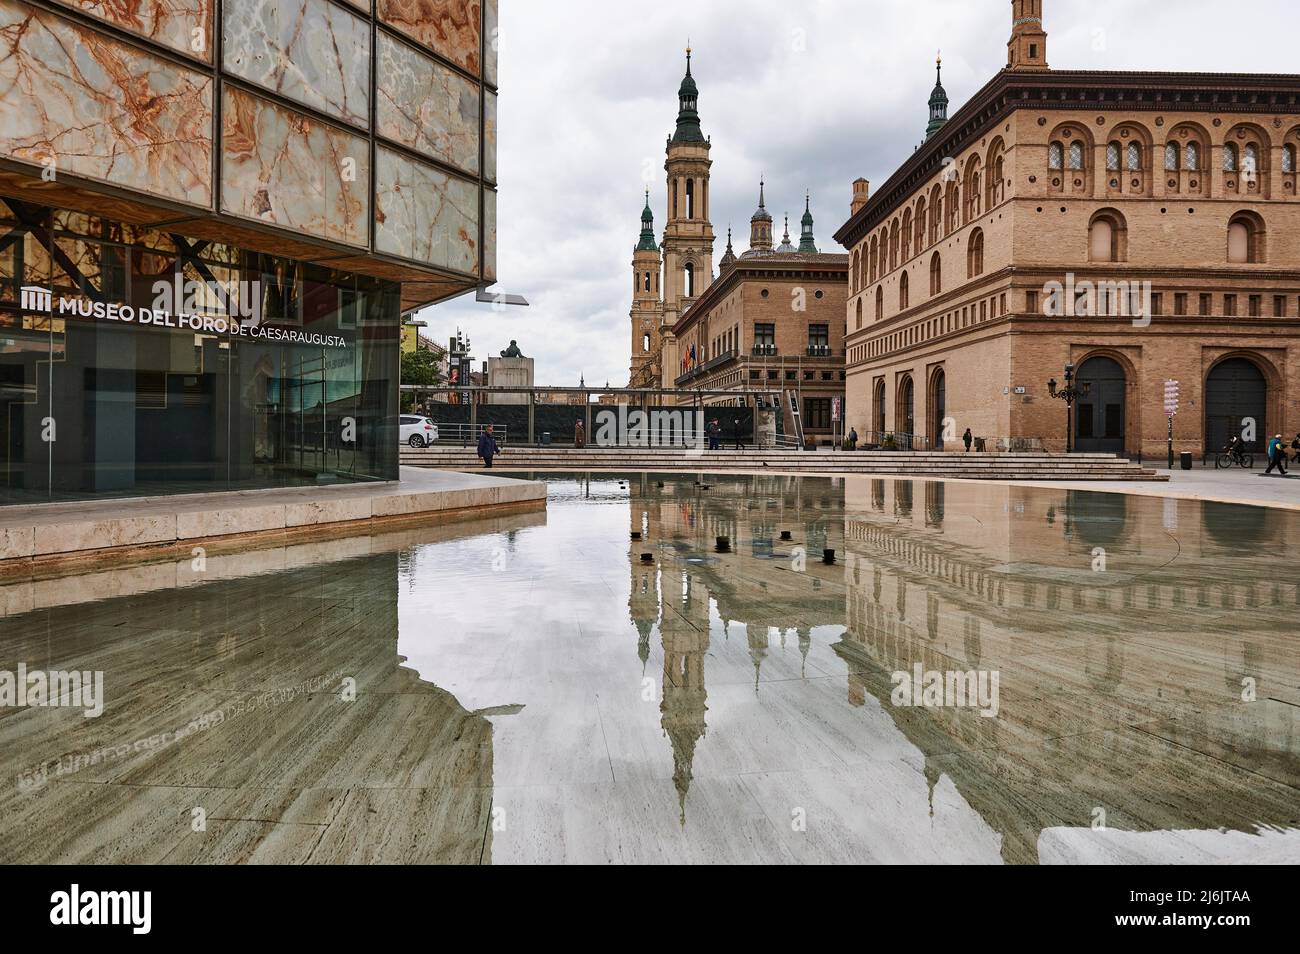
(1137, 226)
(773, 320)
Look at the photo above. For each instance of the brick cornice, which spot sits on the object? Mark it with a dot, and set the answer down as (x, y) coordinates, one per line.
(1011, 90)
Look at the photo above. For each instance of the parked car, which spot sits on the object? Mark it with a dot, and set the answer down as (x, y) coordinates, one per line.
(418, 431)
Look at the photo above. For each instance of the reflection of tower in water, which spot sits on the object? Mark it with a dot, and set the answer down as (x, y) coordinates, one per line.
(685, 632)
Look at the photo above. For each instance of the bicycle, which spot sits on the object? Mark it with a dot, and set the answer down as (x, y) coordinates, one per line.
(1227, 458)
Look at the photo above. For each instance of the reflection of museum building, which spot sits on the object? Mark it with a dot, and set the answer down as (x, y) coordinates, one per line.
(1185, 181)
(203, 266)
(1086, 653)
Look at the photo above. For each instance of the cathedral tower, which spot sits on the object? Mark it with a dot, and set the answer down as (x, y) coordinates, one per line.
(1027, 48)
(647, 307)
(688, 237)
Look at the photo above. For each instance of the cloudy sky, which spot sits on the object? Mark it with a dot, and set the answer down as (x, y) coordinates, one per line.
(809, 93)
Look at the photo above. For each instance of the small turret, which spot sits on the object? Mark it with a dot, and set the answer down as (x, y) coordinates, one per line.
(806, 240)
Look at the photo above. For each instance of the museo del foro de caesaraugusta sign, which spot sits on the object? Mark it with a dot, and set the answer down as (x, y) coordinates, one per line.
(245, 322)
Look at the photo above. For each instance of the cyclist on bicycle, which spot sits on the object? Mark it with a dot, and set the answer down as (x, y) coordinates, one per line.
(1236, 448)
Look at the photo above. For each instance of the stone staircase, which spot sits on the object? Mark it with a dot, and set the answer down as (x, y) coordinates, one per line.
(1026, 466)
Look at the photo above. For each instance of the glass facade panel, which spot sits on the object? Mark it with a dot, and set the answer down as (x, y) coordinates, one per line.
(136, 363)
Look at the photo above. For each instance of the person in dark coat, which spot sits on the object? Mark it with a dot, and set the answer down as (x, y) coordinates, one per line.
(1276, 455)
(967, 439)
(853, 438)
(487, 446)
(579, 435)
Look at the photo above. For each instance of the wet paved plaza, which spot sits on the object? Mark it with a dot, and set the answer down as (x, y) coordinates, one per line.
(528, 689)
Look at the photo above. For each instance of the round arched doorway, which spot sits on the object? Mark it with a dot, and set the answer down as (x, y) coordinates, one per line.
(905, 419)
(938, 408)
(1236, 400)
(1099, 417)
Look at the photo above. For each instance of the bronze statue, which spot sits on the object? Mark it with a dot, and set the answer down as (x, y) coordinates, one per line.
(513, 351)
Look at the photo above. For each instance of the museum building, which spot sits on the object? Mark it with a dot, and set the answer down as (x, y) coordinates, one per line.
(209, 234)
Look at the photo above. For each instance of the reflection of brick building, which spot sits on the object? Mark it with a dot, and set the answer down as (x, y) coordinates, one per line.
(1083, 654)
(1186, 181)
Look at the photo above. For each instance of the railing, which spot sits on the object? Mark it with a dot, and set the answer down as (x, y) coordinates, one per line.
(893, 440)
(764, 351)
(467, 434)
(705, 368)
(819, 351)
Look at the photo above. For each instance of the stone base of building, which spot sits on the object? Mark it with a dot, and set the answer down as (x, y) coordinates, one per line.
(184, 527)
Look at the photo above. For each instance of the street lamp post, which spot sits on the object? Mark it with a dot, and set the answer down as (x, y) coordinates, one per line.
(1069, 394)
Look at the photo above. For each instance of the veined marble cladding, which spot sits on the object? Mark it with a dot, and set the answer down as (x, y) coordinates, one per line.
(170, 23)
(426, 106)
(489, 234)
(490, 41)
(281, 167)
(102, 109)
(424, 214)
(451, 28)
(311, 51)
(490, 136)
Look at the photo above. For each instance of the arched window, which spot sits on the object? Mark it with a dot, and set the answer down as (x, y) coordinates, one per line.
(975, 254)
(1171, 157)
(856, 263)
(645, 344)
(1134, 157)
(1230, 157)
(688, 273)
(951, 204)
(880, 302)
(920, 225)
(973, 196)
(1107, 237)
(1112, 157)
(936, 213)
(875, 254)
(902, 292)
(859, 312)
(1250, 167)
(690, 198)
(1193, 157)
(1056, 156)
(936, 274)
(1246, 239)
(893, 246)
(907, 235)
(1288, 158)
(1076, 156)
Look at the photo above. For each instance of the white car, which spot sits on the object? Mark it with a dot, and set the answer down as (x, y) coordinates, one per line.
(417, 431)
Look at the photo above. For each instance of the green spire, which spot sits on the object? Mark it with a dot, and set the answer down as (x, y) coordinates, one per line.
(688, 119)
(647, 243)
(938, 101)
(806, 242)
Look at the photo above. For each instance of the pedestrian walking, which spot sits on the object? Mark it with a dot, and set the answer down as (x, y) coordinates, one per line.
(1295, 446)
(487, 447)
(735, 425)
(715, 435)
(853, 438)
(968, 438)
(1276, 455)
(579, 435)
